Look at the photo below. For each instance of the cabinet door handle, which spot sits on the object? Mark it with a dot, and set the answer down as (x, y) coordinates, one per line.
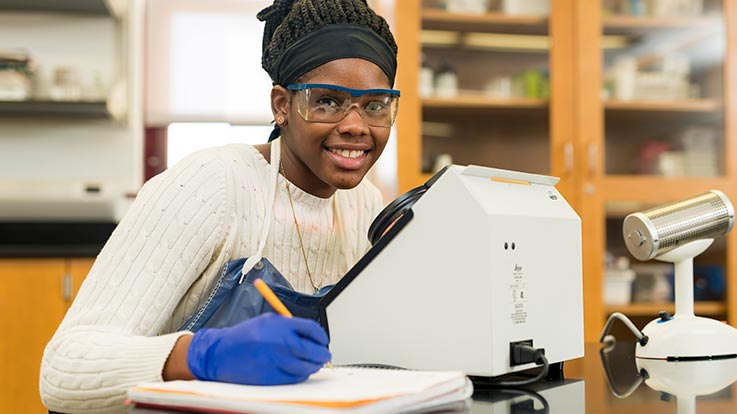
(66, 287)
(593, 151)
(568, 158)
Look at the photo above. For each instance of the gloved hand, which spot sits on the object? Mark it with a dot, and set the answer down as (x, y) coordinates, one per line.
(266, 350)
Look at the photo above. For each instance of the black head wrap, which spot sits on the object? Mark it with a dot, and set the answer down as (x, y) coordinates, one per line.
(332, 41)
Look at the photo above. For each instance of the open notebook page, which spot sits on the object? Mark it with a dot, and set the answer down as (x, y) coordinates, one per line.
(339, 389)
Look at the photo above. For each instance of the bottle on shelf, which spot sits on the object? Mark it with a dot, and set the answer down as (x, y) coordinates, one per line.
(525, 7)
(499, 87)
(466, 6)
(96, 90)
(618, 278)
(441, 161)
(17, 75)
(66, 85)
(446, 81)
(427, 78)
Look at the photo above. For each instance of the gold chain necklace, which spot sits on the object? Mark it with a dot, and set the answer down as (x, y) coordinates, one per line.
(318, 285)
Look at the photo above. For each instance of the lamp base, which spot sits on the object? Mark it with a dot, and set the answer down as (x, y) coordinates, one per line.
(688, 378)
(683, 338)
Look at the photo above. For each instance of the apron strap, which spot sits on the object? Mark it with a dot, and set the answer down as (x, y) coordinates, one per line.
(255, 258)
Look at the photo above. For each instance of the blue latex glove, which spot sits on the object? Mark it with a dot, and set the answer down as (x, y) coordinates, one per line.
(266, 350)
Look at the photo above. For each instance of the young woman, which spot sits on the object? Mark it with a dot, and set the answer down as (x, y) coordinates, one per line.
(297, 207)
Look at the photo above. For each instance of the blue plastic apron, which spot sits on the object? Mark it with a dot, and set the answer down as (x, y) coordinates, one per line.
(234, 297)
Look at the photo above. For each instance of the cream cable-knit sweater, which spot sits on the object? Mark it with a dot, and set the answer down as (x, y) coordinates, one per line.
(162, 259)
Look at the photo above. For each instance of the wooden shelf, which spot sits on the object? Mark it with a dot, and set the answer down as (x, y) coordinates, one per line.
(96, 7)
(692, 105)
(620, 209)
(654, 23)
(480, 101)
(486, 22)
(652, 309)
(654, 189)
(524, 110)
(76, 109)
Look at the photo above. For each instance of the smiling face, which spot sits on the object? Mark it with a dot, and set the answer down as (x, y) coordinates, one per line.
(321, 157)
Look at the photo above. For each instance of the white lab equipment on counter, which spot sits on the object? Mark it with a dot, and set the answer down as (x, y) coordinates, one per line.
(60, 200)
(676, 233)
(461, 268)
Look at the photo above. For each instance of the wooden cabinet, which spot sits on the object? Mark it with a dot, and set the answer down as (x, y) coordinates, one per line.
(637, 110)
(668, 136)
(34, 296)
(502, 113)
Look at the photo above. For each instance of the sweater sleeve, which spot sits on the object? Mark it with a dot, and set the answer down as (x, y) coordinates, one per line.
(109, 340)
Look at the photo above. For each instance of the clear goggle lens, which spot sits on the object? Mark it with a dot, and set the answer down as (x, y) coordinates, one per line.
(331, 103)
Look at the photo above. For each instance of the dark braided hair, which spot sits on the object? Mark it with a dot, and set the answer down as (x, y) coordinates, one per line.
(289, 20)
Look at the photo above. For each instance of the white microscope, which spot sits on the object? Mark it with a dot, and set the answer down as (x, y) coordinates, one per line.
(464, 274)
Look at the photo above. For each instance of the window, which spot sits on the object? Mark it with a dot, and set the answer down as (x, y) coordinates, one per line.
(203, 62)
(185, 138)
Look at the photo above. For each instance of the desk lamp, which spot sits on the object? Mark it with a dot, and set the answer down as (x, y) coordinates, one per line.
(676, 233)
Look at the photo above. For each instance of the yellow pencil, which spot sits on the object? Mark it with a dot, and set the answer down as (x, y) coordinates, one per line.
(270, 297)
(275, 303)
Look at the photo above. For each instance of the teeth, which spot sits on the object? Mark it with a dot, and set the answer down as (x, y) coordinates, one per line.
(347, 153)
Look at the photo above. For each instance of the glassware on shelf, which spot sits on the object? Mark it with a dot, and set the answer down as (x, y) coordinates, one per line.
(700, 147)
(666, 78)
(96, 90)
(446, 81)
(441, 161)
(427, 78)
(652, 283)
(663, 91)
(618, 278)
(526, 7)
(16, 75)
(66, 85)
(117, 100)
(466, 6)
(499, 87)
(534, 84)
(14, 85)
(655, 8)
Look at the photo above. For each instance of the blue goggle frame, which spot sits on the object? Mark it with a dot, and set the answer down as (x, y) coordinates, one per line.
(353, 92)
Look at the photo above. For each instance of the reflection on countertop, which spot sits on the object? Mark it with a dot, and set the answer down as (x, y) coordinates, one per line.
(564, 396)
(610, 382)
(650, 385)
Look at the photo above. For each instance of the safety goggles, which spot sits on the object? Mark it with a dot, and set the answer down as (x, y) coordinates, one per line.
(318, 102)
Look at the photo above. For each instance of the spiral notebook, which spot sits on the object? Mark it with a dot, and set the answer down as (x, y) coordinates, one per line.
(330, 390)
